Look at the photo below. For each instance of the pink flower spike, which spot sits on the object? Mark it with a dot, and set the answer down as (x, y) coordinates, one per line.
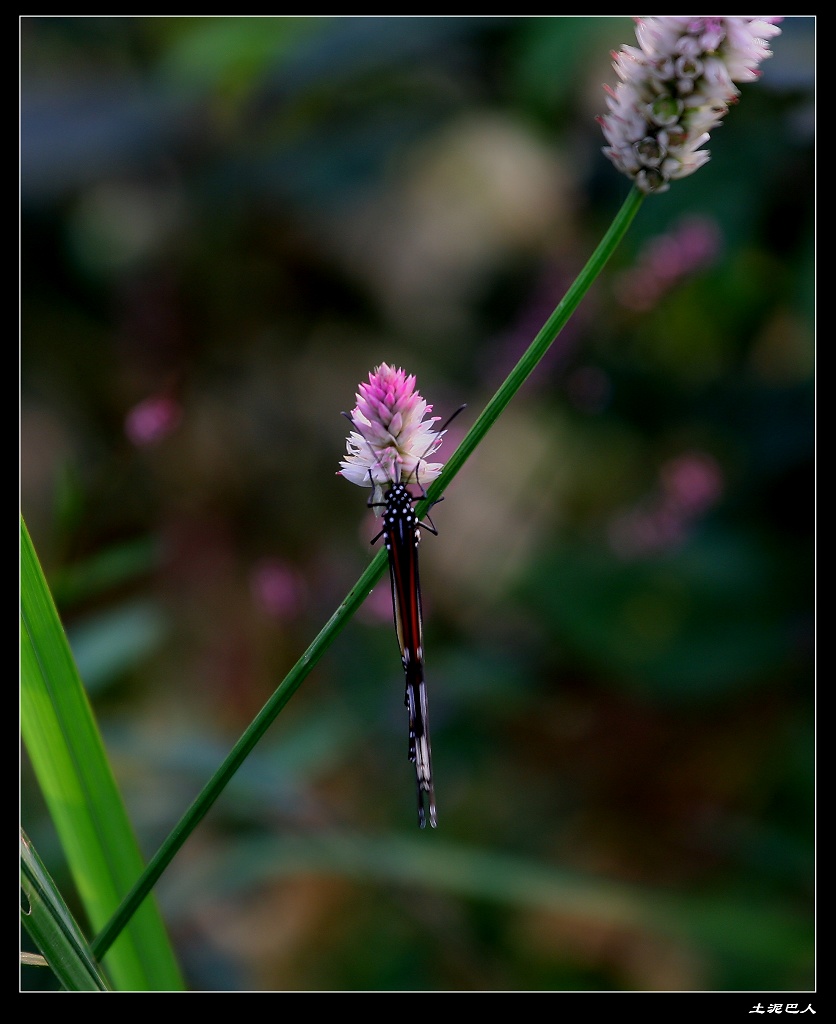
(392, 438)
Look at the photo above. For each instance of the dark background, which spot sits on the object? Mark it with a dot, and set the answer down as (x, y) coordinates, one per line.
(225, 225)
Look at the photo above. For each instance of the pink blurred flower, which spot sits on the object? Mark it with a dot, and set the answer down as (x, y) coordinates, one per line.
(689, 485)
(152, 420)
(277, 588)
(667, 260)
(692, 482)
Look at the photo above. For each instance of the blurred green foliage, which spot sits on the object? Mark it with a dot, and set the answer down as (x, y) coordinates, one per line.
(234, 220)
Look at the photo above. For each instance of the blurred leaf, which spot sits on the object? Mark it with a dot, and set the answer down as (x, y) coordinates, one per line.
(107, 644)
(554, 53)
(694, 624)
(276, 778)
(103, 571)
(228, 54)
(69, 500)
(757, 930)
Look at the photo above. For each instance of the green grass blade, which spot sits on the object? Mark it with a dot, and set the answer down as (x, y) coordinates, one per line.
(70, 763)
(52, 927)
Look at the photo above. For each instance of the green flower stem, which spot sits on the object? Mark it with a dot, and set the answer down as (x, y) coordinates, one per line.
(538, 348)
(236, 757)
(289, 685)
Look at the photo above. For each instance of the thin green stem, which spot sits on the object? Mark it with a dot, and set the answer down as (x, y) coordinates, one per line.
(290, 684)
(538, 347)
(236, 757)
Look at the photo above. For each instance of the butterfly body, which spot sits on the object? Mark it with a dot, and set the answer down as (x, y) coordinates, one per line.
(401, 535)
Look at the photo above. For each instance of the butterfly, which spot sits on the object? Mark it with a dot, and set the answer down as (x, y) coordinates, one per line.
(401, 533)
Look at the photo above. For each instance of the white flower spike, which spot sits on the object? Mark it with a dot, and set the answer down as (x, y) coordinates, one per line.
(675, 88)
